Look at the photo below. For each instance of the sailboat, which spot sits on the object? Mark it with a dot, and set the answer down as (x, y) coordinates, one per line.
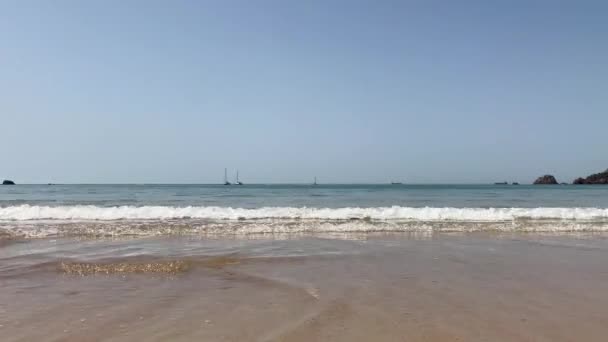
(315, 183)
(238, 182)
(226, 182)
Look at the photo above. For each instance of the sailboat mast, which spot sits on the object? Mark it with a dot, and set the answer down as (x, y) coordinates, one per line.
(226, 182)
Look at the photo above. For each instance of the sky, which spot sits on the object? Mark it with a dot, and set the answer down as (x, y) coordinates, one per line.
(348, 91)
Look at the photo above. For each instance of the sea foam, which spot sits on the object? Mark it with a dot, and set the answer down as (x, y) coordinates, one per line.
(88, 212)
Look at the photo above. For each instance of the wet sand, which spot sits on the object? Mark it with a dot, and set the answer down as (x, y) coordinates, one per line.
(367, 287)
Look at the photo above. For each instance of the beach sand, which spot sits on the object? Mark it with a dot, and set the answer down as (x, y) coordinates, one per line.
(347, 287)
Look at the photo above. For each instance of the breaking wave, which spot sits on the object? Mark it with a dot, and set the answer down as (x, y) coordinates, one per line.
(89, 212)
(28, 221)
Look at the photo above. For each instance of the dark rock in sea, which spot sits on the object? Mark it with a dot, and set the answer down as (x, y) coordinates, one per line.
(546, 179)
(596, 178)
(8, 182)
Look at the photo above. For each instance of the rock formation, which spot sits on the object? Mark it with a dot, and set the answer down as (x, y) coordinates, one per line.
(8, 182)
(546, 179)
(596, 178)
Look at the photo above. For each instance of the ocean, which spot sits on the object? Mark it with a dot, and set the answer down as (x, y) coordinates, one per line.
(113, 210)
(303, 263)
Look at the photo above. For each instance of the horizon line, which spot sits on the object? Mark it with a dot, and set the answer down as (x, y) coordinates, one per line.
(284, 183)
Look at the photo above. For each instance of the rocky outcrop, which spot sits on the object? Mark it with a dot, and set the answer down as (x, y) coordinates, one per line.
(596, 178)
(8, 182)
(546, 179)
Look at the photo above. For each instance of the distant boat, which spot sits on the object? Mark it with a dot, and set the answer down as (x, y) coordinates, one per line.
(396, 183)
(501, 183)
(226, 182)
(315, 182)
(238, 182)
(515, 183)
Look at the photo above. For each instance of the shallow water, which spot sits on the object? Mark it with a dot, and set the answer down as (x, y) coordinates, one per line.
(339, 287)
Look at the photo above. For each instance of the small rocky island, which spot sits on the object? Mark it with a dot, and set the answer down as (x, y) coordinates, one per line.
(8, 182)
(546, 179)
(596, 178)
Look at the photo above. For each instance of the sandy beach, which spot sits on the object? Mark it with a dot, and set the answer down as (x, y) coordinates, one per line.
(344, 287)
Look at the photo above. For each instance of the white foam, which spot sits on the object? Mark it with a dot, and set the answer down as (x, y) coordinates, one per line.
(88, 212)
(118, 228)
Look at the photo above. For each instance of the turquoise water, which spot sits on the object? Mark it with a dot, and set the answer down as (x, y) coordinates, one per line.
(114, 210)
(320, 196)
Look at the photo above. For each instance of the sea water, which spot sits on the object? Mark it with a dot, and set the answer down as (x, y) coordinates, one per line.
(48, 210)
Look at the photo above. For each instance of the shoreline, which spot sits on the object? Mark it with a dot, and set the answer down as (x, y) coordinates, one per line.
(92, 229)
(342, 287)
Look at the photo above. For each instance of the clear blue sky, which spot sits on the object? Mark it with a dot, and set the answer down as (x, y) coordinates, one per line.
(350, 91)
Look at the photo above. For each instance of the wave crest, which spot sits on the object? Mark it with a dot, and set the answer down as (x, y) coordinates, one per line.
(89, 212)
